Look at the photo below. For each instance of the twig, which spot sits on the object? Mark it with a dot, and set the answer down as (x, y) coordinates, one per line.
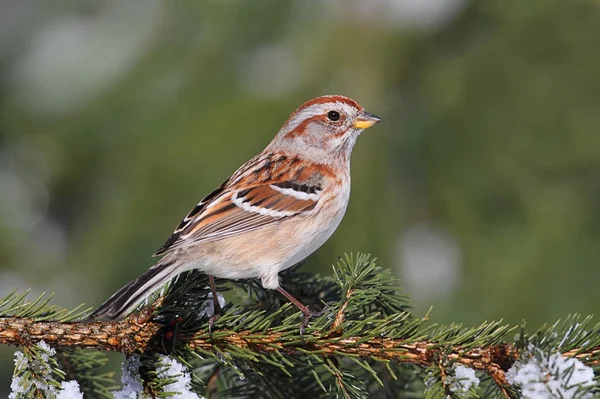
(336, 327)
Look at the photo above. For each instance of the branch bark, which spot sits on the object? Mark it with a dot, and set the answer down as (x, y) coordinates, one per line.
(139, 335)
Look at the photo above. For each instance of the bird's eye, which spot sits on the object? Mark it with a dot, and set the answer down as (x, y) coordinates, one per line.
(333, 115)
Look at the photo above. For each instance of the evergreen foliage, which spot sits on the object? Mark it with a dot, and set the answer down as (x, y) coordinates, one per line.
(364, 342)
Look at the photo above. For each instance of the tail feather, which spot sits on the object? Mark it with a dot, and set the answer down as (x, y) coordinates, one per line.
(127, 298)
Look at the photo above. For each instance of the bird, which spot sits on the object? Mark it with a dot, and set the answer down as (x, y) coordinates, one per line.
(270, 214)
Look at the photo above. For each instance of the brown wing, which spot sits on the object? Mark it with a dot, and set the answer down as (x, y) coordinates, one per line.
(227, 212)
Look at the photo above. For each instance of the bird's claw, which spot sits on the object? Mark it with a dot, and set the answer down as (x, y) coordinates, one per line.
(307, 316)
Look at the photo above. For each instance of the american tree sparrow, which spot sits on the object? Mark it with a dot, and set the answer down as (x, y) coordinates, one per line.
(273, 212)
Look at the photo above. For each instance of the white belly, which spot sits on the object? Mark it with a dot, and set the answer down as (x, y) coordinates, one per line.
(317, 239)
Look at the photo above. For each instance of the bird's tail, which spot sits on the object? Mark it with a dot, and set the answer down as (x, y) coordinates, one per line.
(127, 298)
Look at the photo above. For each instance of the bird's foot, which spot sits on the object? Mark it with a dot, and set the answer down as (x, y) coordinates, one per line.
(307, 316)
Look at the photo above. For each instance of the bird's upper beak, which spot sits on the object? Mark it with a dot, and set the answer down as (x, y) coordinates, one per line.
(366, 120)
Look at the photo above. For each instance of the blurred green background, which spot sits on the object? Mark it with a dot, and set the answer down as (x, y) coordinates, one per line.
(480, 189)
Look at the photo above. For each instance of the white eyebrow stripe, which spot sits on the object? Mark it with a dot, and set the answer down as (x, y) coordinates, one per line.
(301, 195)
(317, 109)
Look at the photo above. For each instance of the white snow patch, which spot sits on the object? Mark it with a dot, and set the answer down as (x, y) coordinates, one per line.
(46, 349)
(131, 380)
(544, 376)
(462, 381)
(183, 380)
(18, 387)
(69, 390)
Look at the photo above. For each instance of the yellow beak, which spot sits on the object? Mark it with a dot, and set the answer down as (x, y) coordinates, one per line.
(366, 120)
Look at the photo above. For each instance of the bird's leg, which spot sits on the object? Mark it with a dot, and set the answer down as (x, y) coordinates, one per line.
(217, 311)
(306, 313)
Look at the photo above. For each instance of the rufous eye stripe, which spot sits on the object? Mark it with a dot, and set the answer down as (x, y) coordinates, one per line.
(301, 128)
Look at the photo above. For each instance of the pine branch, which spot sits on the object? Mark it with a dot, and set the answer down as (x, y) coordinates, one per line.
(131, 336)
(365, 334)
